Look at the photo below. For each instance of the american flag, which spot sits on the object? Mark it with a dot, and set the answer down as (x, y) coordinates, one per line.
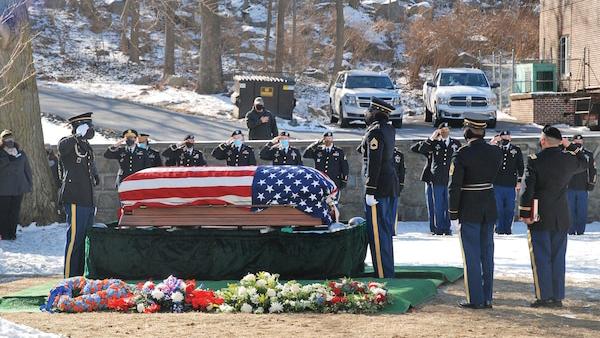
(305, 188)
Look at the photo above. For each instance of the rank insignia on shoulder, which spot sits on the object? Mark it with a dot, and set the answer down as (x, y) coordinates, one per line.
(374, 144)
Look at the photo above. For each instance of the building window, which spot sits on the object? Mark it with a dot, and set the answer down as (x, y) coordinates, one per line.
(563, 56)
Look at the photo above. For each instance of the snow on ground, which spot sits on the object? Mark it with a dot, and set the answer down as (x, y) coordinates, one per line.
(54, 131)
(10, 329)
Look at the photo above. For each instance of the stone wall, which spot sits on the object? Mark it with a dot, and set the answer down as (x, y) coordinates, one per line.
(412, 201)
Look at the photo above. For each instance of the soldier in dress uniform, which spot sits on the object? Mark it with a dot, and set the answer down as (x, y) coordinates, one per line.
(79, 176)
(547, 176)
(235, 151)
(184, 154)
(153, 154)
(473, 211)
(131, 157)
(440, 146)
(382, 186)
(400, 168)
(280, 152)
(426, 178)
(329, 159)
(508, 181)
(579, 187)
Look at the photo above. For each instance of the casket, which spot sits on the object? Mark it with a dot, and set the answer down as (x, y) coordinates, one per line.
(228, 196)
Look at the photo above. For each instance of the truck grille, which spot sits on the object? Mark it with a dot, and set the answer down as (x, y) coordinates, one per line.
(365, 102)
(468, 101)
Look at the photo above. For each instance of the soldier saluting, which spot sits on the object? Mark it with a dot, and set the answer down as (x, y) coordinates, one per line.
(547, 176)
(79, 176)
(184, 154)
(235, 151)
(131, 157)
(473, 210)
(280, 152)
(329, 159)
(382, 186)
(153, 154)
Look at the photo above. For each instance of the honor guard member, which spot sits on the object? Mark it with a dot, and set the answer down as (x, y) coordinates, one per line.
(440, 146)
(426, 178)
(508, 181)
(329, 159)
(400, 168)
(79, 176)
(131, 157)
(235, 151)
(153, 154)
(184, 154)
(280, 152)
(544, 208)
(381, 196)
(473, 211)
(578, 189)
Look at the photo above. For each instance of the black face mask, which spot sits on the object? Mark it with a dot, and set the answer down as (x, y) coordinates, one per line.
(189, 145)
(505, 142)
(130, 142)
(259, 107)
(9, 143)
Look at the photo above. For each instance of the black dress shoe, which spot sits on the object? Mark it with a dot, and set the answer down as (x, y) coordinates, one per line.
(466, 305)
(555, 303)
(540, 303)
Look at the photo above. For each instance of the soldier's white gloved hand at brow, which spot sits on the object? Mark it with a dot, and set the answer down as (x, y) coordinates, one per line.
(82, 129)
(370, 200)
(455, 225)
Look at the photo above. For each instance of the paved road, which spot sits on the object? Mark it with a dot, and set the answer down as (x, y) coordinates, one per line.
(165, 125)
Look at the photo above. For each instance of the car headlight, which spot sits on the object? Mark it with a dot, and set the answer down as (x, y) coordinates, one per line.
(396, 101)
(492, 101)
(443, 100)
(350, 100)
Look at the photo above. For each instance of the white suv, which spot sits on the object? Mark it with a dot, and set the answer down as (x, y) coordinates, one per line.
(350, 96)
(458, 93)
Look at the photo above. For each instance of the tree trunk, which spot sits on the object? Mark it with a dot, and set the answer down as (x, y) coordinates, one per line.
(134, 50)
(210, 77)
(124, 45)
(354, 3)
(280, 35)
(268, 35)
(169, 67)
(20, 112)
(339, 38)
(294, 57)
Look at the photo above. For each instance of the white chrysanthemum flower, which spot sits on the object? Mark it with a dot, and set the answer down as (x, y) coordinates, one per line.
(226, 308)
(261, 283)
(276, 307)
(251, 291)
(246, 308)
(259, 310)
(295, 288)
(255, 299)
(177, 297)
(271, 293)
(141, 308)
(250, 278)
(157, 294)
(242, 291)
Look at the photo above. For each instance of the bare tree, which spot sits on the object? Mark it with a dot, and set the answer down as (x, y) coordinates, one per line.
(124, 45)
(210, 79)
(134, 39)
(280, 35)
(294, 36)
(20, 108)
(268, 34)
(339, 38)
(169, 17)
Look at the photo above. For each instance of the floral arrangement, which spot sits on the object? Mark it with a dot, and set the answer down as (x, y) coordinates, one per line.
(255, 293)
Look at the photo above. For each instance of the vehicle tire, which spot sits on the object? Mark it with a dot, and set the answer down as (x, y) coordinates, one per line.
(344, 122)
(492, 124)
(397, 124)
(332, 117)
(428, 115)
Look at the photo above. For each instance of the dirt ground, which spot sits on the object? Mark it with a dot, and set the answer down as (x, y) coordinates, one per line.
(440, 317)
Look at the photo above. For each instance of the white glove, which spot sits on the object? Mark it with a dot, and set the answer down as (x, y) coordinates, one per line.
(370, 199)
(82, 129)
(455, 225)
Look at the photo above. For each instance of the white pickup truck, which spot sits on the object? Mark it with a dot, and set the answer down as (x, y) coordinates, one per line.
(350, 96)
(458, 93)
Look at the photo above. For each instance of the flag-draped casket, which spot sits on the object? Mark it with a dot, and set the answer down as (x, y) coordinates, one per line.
(305, 188)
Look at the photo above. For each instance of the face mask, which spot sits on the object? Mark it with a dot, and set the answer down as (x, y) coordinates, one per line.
(189, 144)
(259, 107)
(143, 145)
(130, 142)
(237, 143)
(285, 144)
(505, 142)
(9, 143)
(90, 134)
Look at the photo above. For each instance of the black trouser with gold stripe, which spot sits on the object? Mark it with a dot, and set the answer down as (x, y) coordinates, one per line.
(547, 250)
(79, 219)
(381, 225)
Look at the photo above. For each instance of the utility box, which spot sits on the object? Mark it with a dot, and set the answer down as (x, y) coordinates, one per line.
(277, 92)
(535, 77)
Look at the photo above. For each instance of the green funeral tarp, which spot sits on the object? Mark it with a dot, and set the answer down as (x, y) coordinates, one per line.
(223, 254)
(444, 273)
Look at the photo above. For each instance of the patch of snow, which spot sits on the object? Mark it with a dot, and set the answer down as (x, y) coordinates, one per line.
(10, 329)
(257, 13)
(362, 22)
(53, 132)
(502, 116)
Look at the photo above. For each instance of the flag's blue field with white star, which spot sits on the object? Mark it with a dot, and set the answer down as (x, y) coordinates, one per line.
(303, 187)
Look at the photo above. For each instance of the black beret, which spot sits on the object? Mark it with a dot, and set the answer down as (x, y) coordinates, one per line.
(552, 132)
(443, 125)
(284, 133)
(378, 104)
(474, 124)
(505, 132)
(236, 132)
(327, 134)
(578, 137)
(190, 136)
(130, 132)
(85, 117)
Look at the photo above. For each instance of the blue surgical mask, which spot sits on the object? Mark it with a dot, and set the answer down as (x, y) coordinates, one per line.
(143, 145)
(285, 144)
(237, 143)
